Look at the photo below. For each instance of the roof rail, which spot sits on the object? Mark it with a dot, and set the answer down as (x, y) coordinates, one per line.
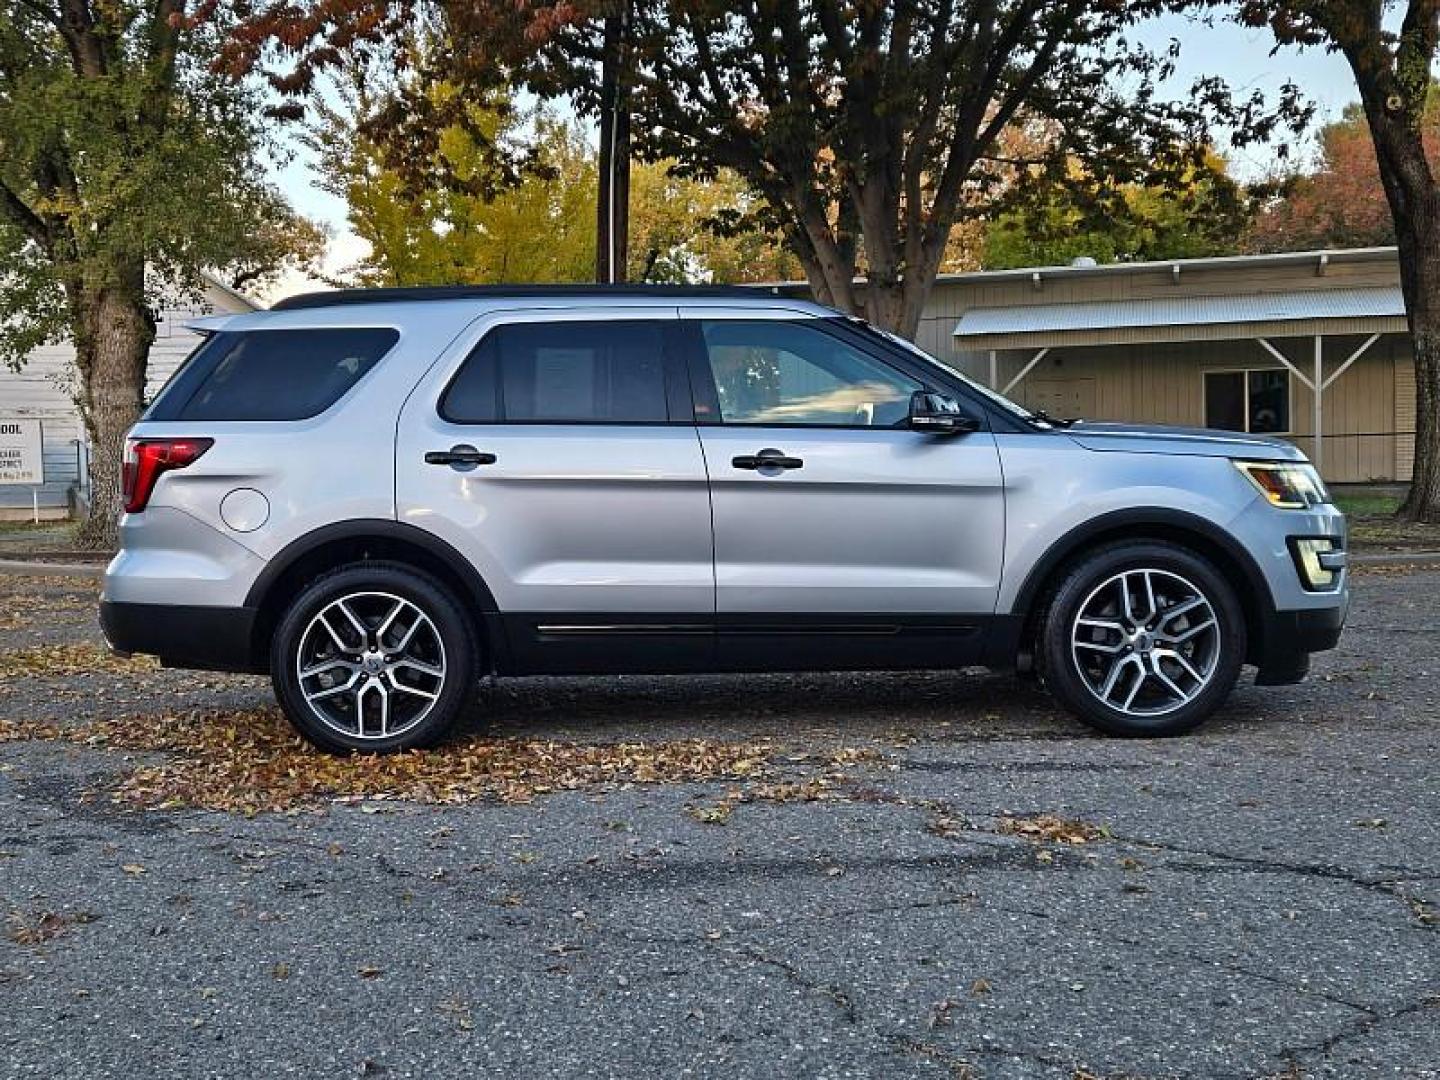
(337, 297)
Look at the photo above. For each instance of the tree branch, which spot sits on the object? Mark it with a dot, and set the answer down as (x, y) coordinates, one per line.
(18, 213)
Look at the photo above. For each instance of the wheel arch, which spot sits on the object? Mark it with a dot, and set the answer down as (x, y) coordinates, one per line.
(360, 540)
(1203, 537)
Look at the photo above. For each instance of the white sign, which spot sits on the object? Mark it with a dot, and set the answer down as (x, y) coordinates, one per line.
(21, 450)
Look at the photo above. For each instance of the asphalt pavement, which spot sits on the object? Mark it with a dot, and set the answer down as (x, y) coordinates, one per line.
(931, 875)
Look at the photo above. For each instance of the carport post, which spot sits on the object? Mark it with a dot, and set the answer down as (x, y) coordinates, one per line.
(1319, 399)
(994, 370)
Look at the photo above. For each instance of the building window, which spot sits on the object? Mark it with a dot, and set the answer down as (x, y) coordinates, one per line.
(1255, 401)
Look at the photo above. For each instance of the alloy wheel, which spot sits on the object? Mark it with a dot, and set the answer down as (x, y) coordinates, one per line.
(371, 665)
(1146, 642)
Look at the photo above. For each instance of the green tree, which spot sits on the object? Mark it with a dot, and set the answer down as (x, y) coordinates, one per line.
(1204, 212)
(125, 170)
(455, 230)
(447, 225)
(869, 129)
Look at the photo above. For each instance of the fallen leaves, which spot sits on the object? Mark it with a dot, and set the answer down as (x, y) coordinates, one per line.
(253, 762)
(42, 926)
(52, 661)
(711, 815)
(1049, 828)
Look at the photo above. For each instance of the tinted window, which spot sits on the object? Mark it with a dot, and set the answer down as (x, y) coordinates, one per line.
(562, 372)
(270, 374)
(1253, 401)
(776, 372)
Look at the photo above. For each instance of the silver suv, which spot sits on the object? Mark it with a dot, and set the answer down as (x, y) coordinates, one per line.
(378, 497)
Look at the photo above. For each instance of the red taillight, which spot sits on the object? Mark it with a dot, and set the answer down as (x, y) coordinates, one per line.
(146, 459)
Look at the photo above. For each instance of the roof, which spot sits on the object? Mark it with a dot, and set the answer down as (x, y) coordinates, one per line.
(1377, 309)
(1272, 260)
(1319, 259)
(336, 297)
(241, 302)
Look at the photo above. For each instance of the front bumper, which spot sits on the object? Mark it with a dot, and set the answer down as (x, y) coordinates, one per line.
(1287, 638)
(185, 636)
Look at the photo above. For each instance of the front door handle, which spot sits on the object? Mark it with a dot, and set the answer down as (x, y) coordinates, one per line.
(461, 457)
(769, 458)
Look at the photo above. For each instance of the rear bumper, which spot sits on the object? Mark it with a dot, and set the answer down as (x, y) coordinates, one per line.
(205, 638)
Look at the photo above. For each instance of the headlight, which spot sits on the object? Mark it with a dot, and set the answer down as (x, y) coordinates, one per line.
(1286, 484)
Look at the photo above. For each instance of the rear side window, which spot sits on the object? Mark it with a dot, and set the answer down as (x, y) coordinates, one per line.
(271, 374)
(608, 372)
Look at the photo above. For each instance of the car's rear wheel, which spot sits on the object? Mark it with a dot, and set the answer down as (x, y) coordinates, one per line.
(1142, 639)
(374, 657)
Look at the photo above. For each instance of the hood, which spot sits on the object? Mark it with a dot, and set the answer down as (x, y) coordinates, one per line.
(1159, 439)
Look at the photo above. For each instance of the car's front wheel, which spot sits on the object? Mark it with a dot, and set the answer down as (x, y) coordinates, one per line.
(1142, 639)
(373, 657)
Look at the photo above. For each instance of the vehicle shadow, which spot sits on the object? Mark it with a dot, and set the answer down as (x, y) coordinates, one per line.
(850, 705)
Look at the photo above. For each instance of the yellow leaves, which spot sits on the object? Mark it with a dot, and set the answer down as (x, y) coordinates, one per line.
(134, 869)
(64, 660)
(1048, 828)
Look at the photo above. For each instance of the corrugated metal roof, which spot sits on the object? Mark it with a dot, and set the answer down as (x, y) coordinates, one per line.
(1300, 305)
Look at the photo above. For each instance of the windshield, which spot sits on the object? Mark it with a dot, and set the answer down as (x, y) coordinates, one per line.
(980, 388)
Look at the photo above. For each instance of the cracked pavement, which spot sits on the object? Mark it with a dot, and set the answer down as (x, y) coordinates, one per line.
(1264, 901)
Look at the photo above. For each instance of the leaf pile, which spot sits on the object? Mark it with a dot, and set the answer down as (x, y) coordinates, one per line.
(58, 661)
(253, 762)
(1048, 828)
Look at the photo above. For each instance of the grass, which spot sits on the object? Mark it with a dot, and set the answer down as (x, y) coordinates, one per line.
(1368, 503)
(1374, 528)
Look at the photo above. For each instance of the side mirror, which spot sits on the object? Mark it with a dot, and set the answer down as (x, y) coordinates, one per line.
(937, 414)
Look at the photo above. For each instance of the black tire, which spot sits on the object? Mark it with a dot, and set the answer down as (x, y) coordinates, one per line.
(1087, 579)
(453, 643)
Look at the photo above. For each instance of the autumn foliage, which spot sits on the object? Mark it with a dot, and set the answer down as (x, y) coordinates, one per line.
(1341, 201)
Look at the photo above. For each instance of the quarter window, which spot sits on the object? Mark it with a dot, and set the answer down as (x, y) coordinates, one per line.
(270, 374)
(608, 372)
(782, 372)
(1255, 401)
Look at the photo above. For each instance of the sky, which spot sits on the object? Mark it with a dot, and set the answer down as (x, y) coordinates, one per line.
(1240, 56)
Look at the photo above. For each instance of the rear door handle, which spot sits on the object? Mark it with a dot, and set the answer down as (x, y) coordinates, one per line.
(459, 457)
(769, 458)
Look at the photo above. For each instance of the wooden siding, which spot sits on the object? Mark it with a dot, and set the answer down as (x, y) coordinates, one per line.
(44, 388)
(1369, 411)
(1163, 384)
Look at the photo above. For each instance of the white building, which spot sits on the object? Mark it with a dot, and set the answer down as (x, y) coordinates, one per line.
(43, 390)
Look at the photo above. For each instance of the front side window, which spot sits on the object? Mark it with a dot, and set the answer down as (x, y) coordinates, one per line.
(781, 372)
(1256, 401)
(271, 374)
(608, 372)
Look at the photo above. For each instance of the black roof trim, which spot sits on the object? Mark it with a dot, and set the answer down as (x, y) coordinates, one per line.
(337, 297)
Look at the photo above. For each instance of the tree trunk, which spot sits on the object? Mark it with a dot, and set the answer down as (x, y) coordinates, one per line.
(1423, 300)
(113, 333)
(612, 224)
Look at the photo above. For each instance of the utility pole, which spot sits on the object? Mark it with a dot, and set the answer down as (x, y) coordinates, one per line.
(612, 232)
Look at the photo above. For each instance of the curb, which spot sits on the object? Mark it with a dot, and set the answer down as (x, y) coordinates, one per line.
(1398, 558)
(26, 567)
